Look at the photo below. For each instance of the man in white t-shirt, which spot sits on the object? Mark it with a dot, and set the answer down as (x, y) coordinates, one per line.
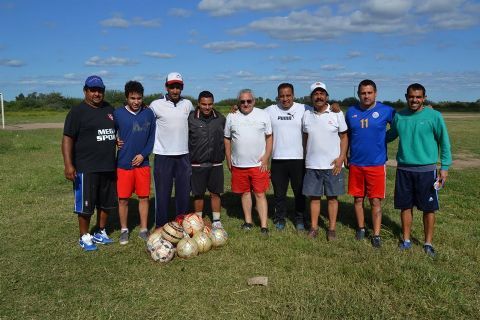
(248, 146)
(288, 164)
(171, 150)
(326, 144)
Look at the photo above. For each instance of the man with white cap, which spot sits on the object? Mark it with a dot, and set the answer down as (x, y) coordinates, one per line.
(325, 145)
(171, 149)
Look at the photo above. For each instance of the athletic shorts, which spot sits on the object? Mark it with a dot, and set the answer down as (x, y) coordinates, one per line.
(416, 189)
(133, 180)
(94, 190)
(204, 178)
(319, 183)
(367, 181)
(248, 179)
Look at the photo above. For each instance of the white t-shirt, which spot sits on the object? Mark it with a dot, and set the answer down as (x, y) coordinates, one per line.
(247, 134)
(171, 133)
(323, 143)
(287, 130)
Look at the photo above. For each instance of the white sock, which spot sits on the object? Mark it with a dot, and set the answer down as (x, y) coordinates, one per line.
(216, 216)
(124, 230)
(199, 213)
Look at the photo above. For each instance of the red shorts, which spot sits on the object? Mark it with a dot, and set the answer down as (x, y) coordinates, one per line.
(247, 179)
(134, 180)
(367, 181)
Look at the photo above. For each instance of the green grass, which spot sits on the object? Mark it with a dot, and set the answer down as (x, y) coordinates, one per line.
(45, 275)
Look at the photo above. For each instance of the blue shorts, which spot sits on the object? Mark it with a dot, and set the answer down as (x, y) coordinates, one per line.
(95, 190)
(416, 189)
(322, 182)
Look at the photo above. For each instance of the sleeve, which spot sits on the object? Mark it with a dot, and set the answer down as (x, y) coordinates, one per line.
(443, 140)
(228, 126)
(305, 123)
(151, 136)
(342, 125)
(392, 133)
(72, 124)
(268, 124)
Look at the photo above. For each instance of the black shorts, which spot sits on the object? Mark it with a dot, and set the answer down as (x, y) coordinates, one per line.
(416, 189)
(204, 178)
(95, 190)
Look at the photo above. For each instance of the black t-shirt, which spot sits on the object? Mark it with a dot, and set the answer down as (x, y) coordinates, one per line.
(93, 133)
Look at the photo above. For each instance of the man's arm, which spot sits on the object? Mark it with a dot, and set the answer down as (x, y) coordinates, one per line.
(67, 152)
(268, 152)
(228, 152)
(337, 163)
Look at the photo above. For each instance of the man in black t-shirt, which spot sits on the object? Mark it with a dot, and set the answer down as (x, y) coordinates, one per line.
(88, 149)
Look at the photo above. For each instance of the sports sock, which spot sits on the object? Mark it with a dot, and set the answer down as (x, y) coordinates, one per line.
(216, 216)
(124, 230)
(199, 213)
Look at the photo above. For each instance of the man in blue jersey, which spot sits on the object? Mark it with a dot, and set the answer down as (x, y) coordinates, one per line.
(135, 126)
(367, 125)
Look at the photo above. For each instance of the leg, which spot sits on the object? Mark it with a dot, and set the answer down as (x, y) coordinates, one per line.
(182, 184)
(359, 212)
(198, 203)
(103, 218)
(297, 172)
(83, 223)
(279, 176)
(376, 206)
(262, 208)
(163, 181)
(332, 212)
(247, 207)
(407, 218)
(143, 206)
(315, 203)
(428, 226)
(123, 213)
(215, 202)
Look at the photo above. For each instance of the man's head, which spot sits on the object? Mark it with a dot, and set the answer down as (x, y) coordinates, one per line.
(174, 86)
(416, 95)
(285, 95)
(319, 96)
(94, 91)
(246, 101)
(367, 93)
(205, 103)
(134, 95)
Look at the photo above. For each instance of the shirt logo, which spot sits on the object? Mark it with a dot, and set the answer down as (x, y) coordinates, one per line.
(354, 116)
(105, 134)
(110, 116)
(375, 115)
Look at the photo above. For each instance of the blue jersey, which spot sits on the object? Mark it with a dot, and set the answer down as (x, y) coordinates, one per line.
(367, 130)
(137, 131)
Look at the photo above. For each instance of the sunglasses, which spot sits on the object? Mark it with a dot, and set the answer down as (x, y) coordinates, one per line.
(246, 101)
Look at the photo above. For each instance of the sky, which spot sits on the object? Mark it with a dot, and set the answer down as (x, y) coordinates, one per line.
(227, 45)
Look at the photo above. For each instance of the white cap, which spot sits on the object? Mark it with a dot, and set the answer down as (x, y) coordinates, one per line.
(318, 85)
(174, 77)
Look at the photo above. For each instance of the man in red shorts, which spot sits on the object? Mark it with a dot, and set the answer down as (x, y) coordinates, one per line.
(248, 146)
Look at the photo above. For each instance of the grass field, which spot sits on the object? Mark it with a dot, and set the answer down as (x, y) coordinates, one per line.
(45, 275)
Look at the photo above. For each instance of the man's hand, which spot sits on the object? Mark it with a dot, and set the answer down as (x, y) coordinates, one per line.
(443, 176)
(137, 160)
(337, 166)
(263, 164)
(70, 172)
(119, 143)
(335, 107)
(233, 108)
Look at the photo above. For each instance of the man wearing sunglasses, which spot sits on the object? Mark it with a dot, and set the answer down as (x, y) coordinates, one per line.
(171, 160)
(248, 146)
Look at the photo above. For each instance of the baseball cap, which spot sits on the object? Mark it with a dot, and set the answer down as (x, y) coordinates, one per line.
(94, 82)
(174, 77)
(318, 85)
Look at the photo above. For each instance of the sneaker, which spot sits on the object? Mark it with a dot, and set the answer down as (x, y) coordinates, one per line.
(313, 233)
(123, 237)
(144, 235)
(360, 234)
(264, 232)
(246, 226)
(280, 225)
(376, 242)
(405, 245)
(429, 250)
(217, 224)
(300, 226)
(101, 237)
(331, 235)
(86, 243)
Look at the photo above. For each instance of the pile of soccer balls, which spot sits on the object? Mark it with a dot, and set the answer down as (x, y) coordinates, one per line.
(186, 237)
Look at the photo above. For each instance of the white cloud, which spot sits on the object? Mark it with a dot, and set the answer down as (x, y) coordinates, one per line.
(159, 55)
(111, 61)
(120, 22)
(223, 46)
(354, 54)
(12, 63)
(115, 22)
(179, 12)
(332, 67)
(227, 7)
(383, 57)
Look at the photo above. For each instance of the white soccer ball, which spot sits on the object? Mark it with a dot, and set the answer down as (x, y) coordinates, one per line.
(192, 223)
(164, 251)
(153, 241)
(219, 237)
(172, 232)
(203, 241)
(187, 248)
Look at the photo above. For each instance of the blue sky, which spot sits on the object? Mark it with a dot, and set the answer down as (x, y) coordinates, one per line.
(226, 45)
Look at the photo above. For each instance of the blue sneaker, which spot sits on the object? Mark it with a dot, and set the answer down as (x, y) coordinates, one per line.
(300, 226)
(280, 225)
(405, 245)
(376, 242)
(101, 237)
(428, 248)
(86, 243)
(360, 234)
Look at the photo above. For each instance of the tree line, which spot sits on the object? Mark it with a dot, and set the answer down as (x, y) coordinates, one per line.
(55, 101)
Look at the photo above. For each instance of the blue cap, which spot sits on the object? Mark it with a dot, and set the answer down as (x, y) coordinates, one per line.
(94, 82)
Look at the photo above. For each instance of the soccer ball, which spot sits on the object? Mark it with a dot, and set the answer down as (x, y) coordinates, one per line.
(218, 236)
(179, 219)
(207, 230)
(153, 241)
(192, 223)
(172, 232)
(163, 252)
(187, 248)
(203, 241)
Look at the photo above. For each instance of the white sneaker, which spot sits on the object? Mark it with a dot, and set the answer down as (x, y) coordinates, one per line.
(86, 242)
(217, 224)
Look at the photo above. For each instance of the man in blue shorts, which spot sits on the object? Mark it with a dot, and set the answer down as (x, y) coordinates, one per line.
(367, 126)
(207, 152)
(422, 132)
(88, 149)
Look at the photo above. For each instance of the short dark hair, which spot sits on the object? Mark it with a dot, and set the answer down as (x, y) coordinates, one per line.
(133, 86)
(367, 82)
(417, 86)
(205, 94)
(285, 85)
